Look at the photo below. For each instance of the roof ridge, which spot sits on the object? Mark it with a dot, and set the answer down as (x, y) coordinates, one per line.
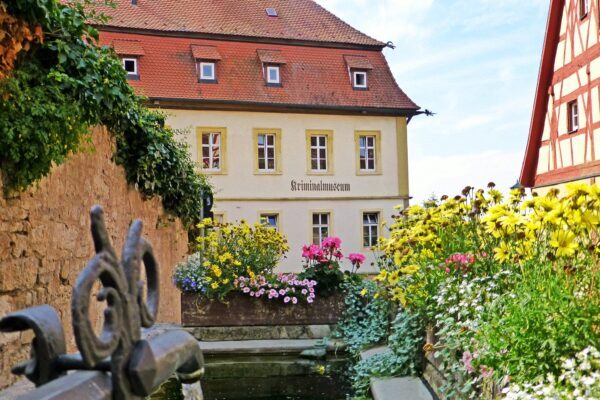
(345, 23)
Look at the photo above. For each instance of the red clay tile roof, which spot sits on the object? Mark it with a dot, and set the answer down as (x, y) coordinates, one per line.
(127, 47)
(358, 62)
(302, 20)
(205, 52)
(313, 76)
(270, 56)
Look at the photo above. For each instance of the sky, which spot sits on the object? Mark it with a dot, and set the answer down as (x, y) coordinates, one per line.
(472, 62)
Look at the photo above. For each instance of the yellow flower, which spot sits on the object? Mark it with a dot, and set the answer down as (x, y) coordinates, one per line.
(409, 270)
(225, 281)
(502, 252)
(363, 292)
(214, 285)
(321, 369)
(398, 295)
(382, 276)
(393, 278)
(564, 242)
(216, 270)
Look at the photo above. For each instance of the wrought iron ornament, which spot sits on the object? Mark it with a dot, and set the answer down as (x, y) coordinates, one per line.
(136, 366)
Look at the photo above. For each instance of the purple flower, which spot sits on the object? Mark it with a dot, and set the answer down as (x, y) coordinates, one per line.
(281, 292)
(304, 291)
(287, 299)
(310, 300)
(294, 300)
(246, 290)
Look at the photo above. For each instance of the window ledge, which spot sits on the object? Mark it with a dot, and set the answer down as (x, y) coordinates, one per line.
(368, 173)
(268, 173)
(207, 81)
(316, 173)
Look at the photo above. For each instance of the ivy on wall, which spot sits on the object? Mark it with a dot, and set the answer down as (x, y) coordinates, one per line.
(65, 84)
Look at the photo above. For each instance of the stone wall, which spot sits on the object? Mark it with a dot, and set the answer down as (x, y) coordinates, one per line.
(45, 240)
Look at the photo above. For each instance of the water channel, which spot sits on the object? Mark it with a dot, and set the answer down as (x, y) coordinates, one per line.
(268, 377)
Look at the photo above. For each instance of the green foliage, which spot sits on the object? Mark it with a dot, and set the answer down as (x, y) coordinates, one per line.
(403, 358)
(547, 317)
(365, 319)
(66, 85)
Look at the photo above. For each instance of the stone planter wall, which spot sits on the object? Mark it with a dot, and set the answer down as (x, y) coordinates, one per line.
(243, 310)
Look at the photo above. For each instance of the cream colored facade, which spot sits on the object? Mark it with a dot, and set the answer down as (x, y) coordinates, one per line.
(243, 192)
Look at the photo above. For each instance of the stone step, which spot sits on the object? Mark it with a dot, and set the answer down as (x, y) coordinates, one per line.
(218, 333)
(280, 346)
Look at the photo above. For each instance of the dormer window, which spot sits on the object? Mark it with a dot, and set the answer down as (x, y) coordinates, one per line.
(206, 62)
(207, 72)
(358, 69)
(271, 61)
(130, 65)
(273, 77)
(359, 80)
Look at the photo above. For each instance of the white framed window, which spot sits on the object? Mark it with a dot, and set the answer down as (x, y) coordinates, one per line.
(207, 71)
(130, 65)
(368, 153)
(266, 151)
(320, 227)
(584, 8)
(318, 153)
(211, 151)
(370, 228)
(359, 79)
(271, 220)
(573, 115)
(273, 76)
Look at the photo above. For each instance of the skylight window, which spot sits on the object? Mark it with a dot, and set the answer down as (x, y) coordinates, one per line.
(271, 12)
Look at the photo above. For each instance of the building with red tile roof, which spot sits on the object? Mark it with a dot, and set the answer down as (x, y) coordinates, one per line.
(295, 114)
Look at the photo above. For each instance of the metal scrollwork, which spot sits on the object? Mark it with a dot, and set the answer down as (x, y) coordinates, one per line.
(136, 366)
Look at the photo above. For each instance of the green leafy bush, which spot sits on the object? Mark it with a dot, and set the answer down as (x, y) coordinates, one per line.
(365, 319)
(62, 87)
(546, 317)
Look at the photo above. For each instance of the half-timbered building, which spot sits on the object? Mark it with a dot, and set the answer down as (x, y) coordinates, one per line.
(564, 137)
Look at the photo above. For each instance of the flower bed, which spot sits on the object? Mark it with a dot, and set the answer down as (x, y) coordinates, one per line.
(230, 280)
(510, 287)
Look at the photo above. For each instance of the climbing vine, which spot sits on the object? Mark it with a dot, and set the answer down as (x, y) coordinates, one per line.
(64, 84)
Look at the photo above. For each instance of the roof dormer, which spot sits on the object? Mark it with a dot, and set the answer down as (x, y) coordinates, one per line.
(130, 52)
(271, 61)
(358, 70)
(206, 58)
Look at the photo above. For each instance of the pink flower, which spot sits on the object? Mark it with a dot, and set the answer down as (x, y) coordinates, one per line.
(333, 242)
(467, 357)
(356, 258)
(246, 290)
(486, 372)
(309, 300)
(287, 299)
(294, 300)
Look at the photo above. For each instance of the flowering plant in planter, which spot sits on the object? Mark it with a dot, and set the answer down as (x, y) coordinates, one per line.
(283, 287)
(322, 264)
(226, 252)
